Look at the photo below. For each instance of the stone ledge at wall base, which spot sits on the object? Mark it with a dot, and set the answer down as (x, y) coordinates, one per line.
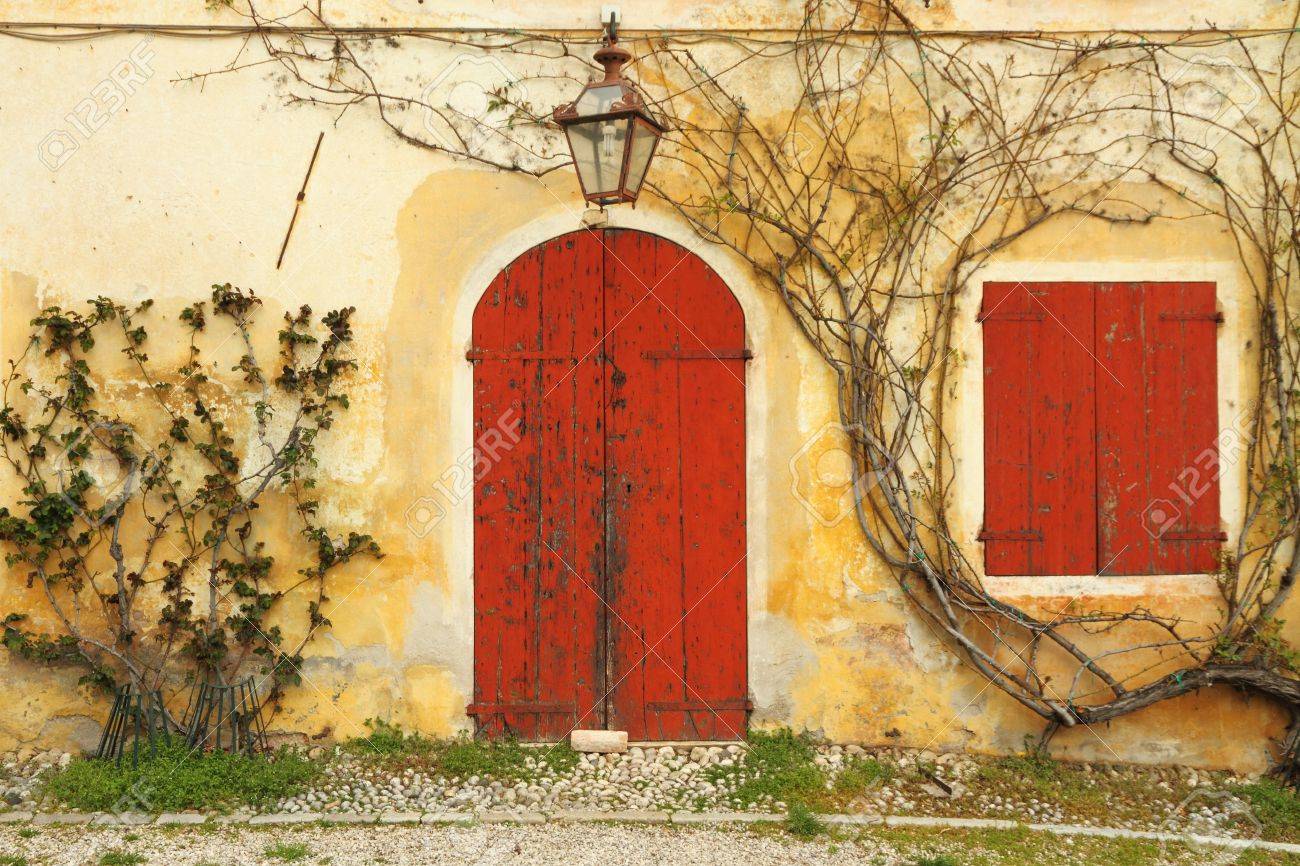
(349, 818)
(512, 817)
(725, 817)
(399, 817)
(121, 819)
(45, 818)
(447, 818)
(283, 818)
(638, 816)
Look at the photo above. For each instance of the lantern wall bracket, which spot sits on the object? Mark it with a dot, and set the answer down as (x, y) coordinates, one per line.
(610, 18)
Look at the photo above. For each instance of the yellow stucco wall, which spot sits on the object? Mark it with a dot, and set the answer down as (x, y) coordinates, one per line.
(193, 183)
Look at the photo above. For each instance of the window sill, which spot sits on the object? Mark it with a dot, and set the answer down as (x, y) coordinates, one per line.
(1057, 586)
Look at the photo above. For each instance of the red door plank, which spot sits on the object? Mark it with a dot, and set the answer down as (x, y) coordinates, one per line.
(537, 668)
(1158, 489)
(1039, 429)
(711, 393)
(675, 496)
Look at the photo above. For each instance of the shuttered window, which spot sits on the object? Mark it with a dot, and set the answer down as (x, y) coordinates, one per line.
(1100, 428)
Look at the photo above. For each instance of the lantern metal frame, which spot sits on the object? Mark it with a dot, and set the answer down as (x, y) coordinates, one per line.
(631, 106)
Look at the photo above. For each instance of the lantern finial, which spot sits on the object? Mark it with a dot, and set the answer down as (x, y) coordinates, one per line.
(611, 56)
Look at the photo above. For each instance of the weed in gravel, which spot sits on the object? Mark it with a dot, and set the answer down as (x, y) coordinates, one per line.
(288, 851)
(861, 774)
(389, 745)
(935, 860)
(9, 860)
(1034, 762)
(121, 858)
(387, 739)
(1256, 857)
(177, 779)
(28, 833)
(1277, 808)
(986, 847)
(1035, 773)
(778, 765)
(802, 822)
(503, 759)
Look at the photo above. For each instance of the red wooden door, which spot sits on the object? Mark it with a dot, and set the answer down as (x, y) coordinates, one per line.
(610, 541)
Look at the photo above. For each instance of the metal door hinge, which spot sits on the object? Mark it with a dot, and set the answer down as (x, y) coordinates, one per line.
(1192, 317)
(698, 354)
(1009, 535)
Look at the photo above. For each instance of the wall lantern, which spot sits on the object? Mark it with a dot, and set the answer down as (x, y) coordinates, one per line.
(611, 132)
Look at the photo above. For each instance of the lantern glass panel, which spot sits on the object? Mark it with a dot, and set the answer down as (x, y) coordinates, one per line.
(644, 137)
(598, 100)
(598, 147)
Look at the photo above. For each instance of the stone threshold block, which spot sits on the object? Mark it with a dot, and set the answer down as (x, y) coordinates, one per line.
(601, 742)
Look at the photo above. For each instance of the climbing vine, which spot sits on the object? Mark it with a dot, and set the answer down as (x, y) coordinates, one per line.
(147, 489)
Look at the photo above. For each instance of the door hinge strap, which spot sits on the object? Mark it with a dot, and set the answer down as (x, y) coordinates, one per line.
(488, 709)
(1191, 317)
(525, 355)
(698, 354)
(1012, 316)
(1009, 535)
(1193, 535)
(700, 706)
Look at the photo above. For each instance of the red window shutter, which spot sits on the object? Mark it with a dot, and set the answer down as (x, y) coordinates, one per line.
(1039, 429)
(1157, 428)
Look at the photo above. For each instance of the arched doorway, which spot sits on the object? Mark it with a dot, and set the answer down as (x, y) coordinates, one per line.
(609, 503)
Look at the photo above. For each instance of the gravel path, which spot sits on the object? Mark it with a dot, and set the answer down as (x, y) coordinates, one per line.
(568, 845)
